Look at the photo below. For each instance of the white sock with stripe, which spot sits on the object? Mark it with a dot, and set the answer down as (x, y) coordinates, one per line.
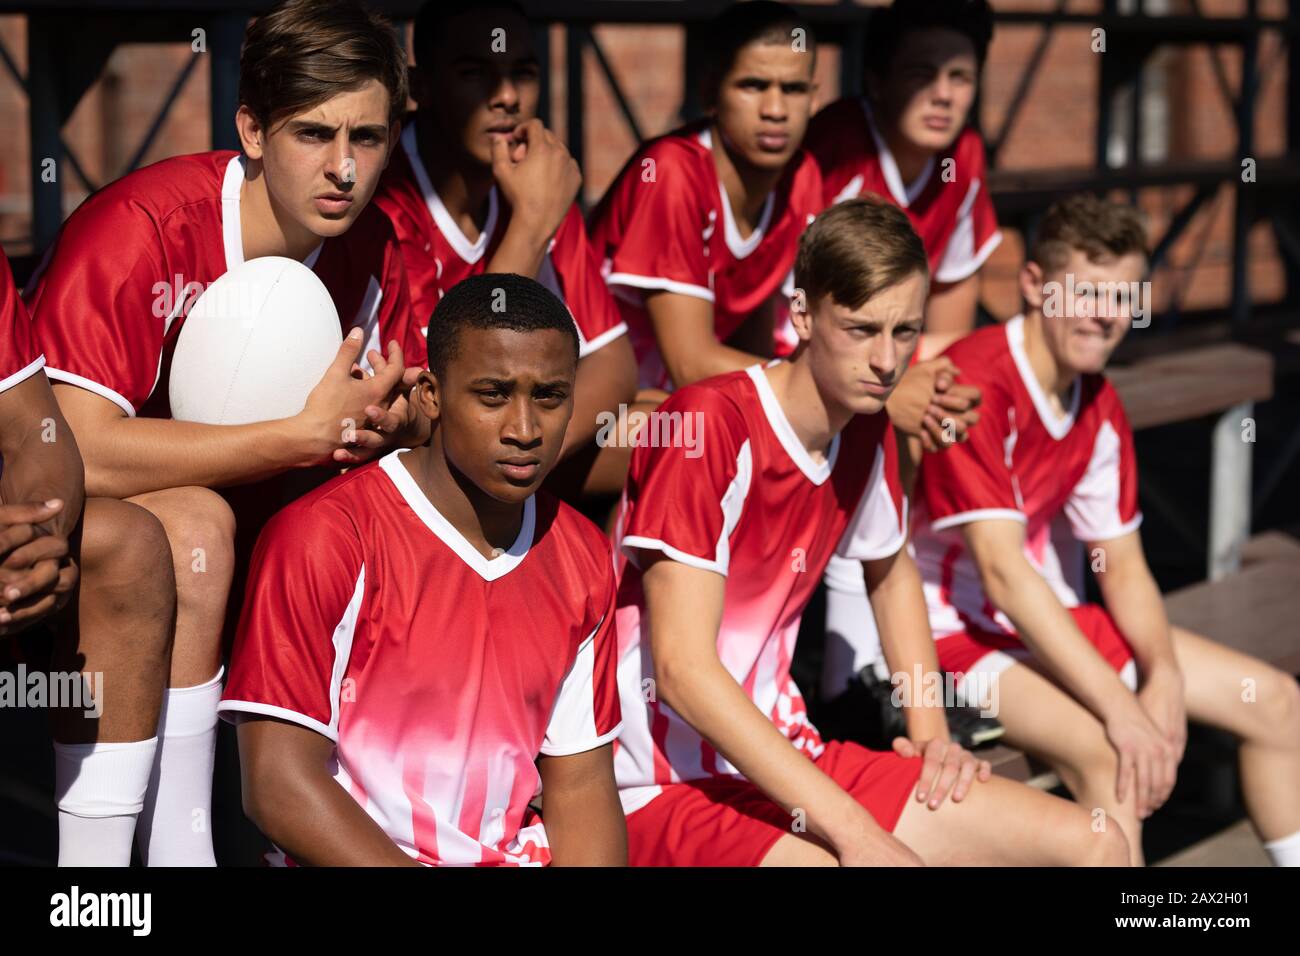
(100, 791)
(176, 824)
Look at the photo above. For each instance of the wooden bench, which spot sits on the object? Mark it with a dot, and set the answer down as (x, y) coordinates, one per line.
(1253, 594)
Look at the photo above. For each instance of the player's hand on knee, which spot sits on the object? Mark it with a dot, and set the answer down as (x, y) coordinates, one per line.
(877, 848)
(1144, 757)
(949, 769)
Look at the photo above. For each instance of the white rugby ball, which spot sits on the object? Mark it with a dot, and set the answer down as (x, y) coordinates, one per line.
(254, 345)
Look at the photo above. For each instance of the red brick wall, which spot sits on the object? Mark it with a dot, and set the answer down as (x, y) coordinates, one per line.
(1055, 127)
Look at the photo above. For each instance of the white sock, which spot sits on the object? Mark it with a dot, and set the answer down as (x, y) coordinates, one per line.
(1286, 851)
(176, 824)
(100, 789)
(852, 641)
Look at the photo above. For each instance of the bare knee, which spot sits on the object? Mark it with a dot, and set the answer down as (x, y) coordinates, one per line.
(124, 544)
(1106, 847)
(201, 530)
(1276, 703)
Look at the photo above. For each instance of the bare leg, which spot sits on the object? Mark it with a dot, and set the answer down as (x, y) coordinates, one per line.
(1002, 823)
(1045, 721)
(1259, 705)
(119, 626)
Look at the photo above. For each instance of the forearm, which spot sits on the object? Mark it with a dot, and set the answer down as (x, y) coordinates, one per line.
(522, 249)
(708, 698)
(584, 818)
(36, 471)
(904, 625)
(317, 823)
(606, 379)
(688, 365)
(1135, 604)
(1017, 589)
(131, 456)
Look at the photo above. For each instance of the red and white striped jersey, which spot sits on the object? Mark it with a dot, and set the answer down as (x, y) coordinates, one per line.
(440, 675)
(20, 359)
(1068, 480)
(113, 294)
(438, 254)
(666, 225)
(949, 203)
(749, 503)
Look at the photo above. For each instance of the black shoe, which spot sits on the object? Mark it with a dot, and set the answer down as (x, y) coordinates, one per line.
(866, 714)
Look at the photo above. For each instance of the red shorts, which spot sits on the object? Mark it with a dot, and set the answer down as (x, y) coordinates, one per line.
(966, 653)
(723, 821)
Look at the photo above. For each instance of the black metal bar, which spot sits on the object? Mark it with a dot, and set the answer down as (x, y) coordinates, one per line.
(624, 106)
(1022, 87)
(225, 36)
(1244, 211)
(542, 49)
(44, 122)
(1179, 224)
(163, 111)
(573, 116)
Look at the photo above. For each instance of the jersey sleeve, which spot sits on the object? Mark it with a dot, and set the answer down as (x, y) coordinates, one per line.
(878, 527)
(577, 273)
(102, 306)
(587, 714)
(665, 224)
(1104, 504)
(976, 232)
(974, 481)
(19, 357)
(306, 588)
(685, 502)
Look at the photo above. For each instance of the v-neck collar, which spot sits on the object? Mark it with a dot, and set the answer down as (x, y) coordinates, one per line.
(232, 236)
(1056, 426)
(740, 248)
(816, 472)
(471, 252)
(489, 569)
(903, 195)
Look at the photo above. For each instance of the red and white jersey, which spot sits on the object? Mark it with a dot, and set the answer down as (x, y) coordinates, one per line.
(438, 255)
(114, 291)
(749, 503)
(666, 225)
(20, 359)
(949, 203)
(440, 675)
(1069, 480)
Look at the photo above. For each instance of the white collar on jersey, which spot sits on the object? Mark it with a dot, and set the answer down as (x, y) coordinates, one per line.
(1056, 426)
(487, 568)
(903, 195)
(232, 237)
(740, 248)
(471, 252)
(816, 472)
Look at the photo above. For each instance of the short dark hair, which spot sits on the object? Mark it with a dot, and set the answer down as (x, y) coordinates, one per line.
(973, 19)
(856, 249)
(721, 39)
(494, 300)
(1099, 228)
(433, 17)
(305, 51)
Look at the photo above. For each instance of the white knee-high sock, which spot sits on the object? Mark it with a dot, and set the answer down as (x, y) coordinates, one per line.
(1286, 851)
(176, 824)
(100, 790)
